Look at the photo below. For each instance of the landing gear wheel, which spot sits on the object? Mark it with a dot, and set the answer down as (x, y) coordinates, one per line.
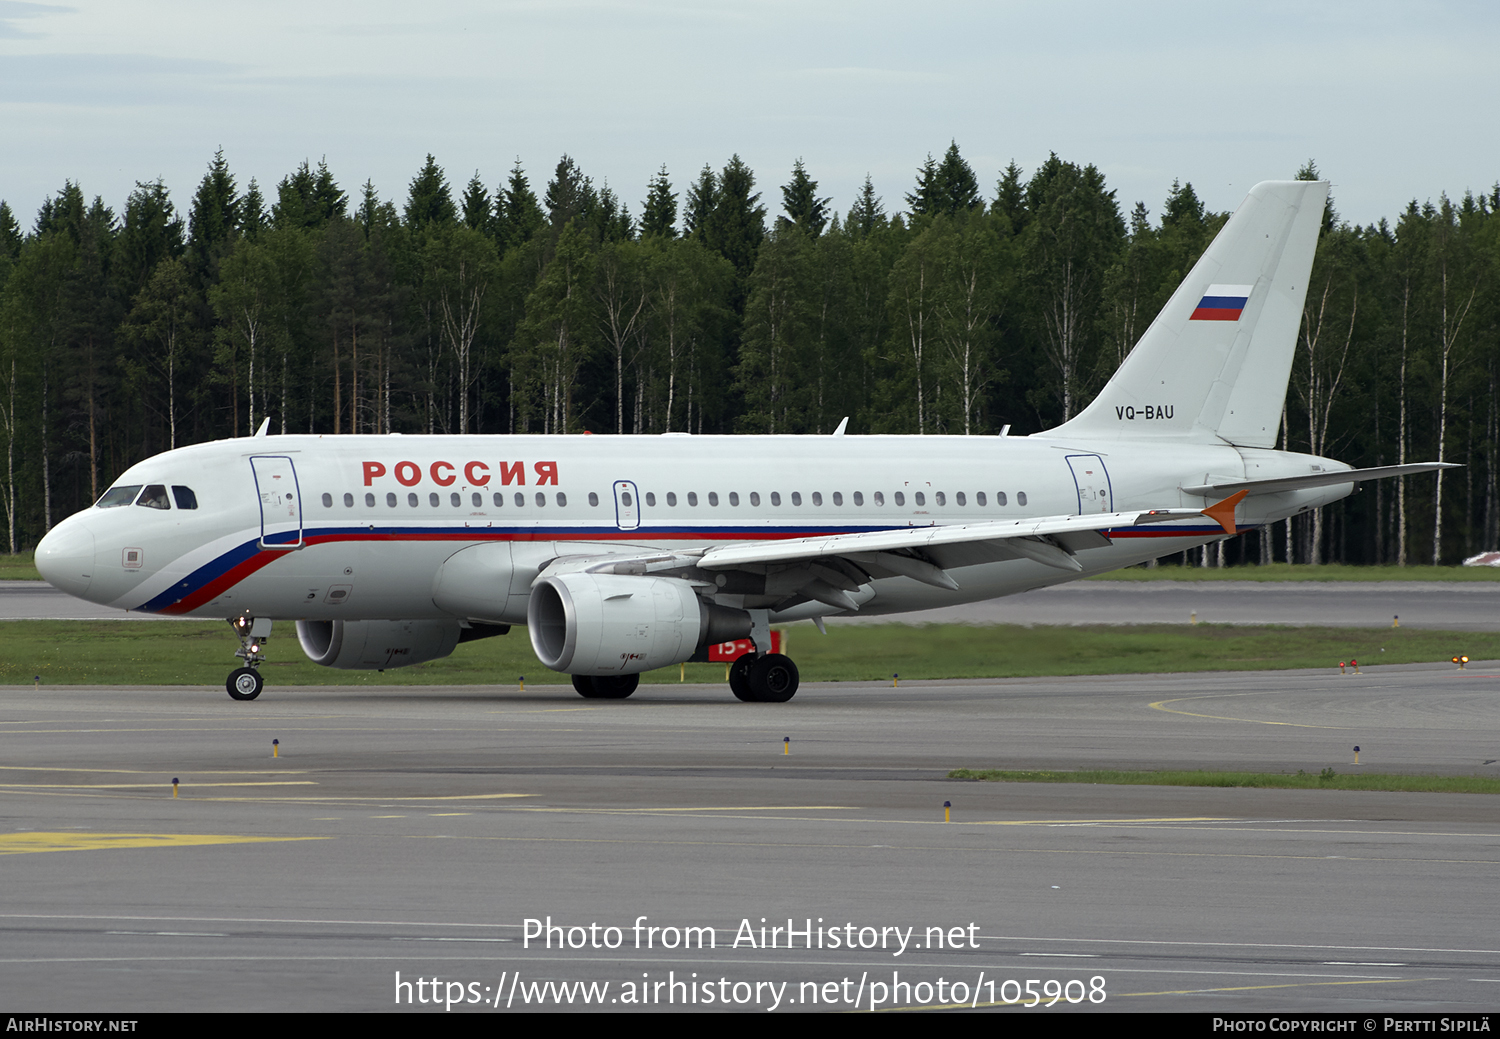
(739, 678)
(606, 687)
(774, 678)
(245, 683)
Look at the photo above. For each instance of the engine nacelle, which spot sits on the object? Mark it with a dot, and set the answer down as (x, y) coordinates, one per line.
(376, 645)
(613, 624)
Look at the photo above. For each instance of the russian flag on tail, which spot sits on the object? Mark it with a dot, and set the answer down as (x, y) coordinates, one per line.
(1222, 303)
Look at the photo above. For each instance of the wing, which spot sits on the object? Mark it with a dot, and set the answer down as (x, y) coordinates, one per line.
(833, 569)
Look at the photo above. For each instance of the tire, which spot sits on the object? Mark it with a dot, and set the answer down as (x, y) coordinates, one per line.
(244, 683)
(606, 687)
(615, 687)
(774, 678)
(739, 678)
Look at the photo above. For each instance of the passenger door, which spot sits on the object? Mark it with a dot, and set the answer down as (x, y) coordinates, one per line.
(280, 501)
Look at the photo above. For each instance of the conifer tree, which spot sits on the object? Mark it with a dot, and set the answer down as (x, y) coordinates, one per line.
(800, 200)
(659, 213)
(702, 197)
(518, 214)
(569, 194)
(737, 224)
(253, 216)
(429, 201)
(476, 206)
(152, 231)
(867, 213)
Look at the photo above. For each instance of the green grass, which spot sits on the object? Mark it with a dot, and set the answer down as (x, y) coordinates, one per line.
(1288, 572)
(201, 653)
(1327, 779)
(19, 567)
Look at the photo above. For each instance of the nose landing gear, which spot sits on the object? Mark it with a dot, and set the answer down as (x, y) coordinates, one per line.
(245, 683)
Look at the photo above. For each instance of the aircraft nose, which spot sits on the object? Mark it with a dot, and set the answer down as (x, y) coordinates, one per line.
(65, 558)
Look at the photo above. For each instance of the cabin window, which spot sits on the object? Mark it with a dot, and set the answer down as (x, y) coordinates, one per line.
(838, 497)
(117, 496)
(1000, 498)
(433, 499)
(941, 498)
(859, 497)
(900, 498)
(154, 497)
(879, 497)
(754, 497)
(369, 501)
(651, 498)
(713, 497)
(734, 497)
(562, 499)
(692, 497)
(348, 501)
(978, 498)
(456, 500)
(921, 498)
(796, 497)
(541, 499)
(672, 498)
(327, 500)
(411, 499)
(186, 499)
(775, 497)
(626, 499)
(594, 499)
(478, 500)
(390, 499)
(817, 497)
(499, 500)
(520, 500)
(1020, 497)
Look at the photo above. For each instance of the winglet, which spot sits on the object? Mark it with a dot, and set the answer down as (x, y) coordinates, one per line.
(1222, 512)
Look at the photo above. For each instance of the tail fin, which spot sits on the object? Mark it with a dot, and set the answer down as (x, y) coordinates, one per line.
(1213, 366)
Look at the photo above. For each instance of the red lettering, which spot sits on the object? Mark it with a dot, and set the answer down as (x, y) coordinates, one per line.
(546, 472)
(372, 470)
(438, 479)
(408, 474)
(475, 480)
(513, 472)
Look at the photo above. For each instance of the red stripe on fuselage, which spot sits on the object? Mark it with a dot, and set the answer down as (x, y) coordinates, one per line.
(221, 584)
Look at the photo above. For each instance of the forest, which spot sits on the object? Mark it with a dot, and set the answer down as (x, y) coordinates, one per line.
(956, 311)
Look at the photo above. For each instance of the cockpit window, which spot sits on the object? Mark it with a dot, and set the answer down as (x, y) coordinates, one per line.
(184, 497)
(154, 497)
(117, 496)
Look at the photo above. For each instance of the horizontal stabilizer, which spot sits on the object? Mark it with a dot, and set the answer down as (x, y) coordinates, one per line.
(1272, 484)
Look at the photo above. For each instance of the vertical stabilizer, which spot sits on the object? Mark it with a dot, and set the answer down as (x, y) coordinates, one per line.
(1213, 366)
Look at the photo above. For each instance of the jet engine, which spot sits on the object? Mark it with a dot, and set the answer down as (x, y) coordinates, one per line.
(613, 624)
(378, 645)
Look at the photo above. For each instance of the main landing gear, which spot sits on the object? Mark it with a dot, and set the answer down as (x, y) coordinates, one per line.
(245, 683)
(770, 678)
(604, 687)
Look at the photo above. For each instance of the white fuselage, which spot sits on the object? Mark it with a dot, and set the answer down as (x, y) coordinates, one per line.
(359, 527)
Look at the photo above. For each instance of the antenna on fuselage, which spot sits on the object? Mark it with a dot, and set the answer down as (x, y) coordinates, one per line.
(842, 426)
(265, 425)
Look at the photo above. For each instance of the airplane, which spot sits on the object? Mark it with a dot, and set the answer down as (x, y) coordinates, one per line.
(622, 554)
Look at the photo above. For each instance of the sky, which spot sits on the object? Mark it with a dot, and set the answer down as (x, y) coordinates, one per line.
(1393, 101)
